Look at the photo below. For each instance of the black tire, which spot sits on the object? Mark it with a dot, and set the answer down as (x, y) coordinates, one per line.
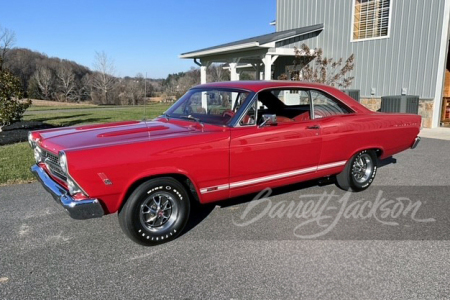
(359, 172)
(156, 212)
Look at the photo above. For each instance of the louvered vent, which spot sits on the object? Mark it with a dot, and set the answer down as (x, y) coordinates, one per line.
(352, 93)
(400, 104)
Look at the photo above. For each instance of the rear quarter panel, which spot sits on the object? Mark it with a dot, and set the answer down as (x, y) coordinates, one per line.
(345, 135)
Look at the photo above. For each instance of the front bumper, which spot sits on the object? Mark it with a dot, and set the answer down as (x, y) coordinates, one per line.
(77, 209)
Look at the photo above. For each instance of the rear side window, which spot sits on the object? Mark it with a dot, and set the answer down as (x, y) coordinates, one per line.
(325, 106)
(292, 97)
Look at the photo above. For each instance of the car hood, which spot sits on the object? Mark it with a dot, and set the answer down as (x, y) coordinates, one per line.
(113, 134)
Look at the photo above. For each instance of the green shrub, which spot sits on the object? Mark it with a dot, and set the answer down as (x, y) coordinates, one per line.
(11, 109)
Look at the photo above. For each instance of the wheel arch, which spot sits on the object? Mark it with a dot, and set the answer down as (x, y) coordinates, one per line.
(379, 151)
(187, 183)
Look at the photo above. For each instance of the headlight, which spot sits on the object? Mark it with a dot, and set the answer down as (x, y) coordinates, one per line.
(31, 141)
(63, 161)
(37, 154)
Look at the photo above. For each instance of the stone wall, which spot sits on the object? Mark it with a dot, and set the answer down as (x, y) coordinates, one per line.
(425, 108)
(426, 111)
(373, 104)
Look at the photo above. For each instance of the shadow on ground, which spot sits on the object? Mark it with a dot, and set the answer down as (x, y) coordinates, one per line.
(200, 212)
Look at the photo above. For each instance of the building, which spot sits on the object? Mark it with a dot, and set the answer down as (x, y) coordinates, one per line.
(400, 47)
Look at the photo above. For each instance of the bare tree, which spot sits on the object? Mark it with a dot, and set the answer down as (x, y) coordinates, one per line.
(65, 81)
(7, 40)
(103, 80)
(322, 70)
(85, 88)
(190, 79)
(134, 89)
(217, 73)
(43, 77)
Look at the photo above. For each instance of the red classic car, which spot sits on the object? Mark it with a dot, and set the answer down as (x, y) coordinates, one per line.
(220, 140)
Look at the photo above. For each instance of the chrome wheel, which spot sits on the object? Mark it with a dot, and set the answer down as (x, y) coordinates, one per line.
(362, 168)
(158, 212)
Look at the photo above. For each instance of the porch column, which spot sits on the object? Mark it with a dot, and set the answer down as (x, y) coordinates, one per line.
(234, 76)
(258, 71)
(268, 61)
(203, 74)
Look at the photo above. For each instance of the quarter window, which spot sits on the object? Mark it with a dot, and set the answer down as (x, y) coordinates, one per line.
(325, 106)
(371, 19)
(250, 116)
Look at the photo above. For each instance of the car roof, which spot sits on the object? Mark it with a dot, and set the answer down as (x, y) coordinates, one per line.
(259, 85)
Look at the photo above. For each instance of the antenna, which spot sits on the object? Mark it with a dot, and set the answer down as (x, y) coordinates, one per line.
(145, 104)
(145, 97)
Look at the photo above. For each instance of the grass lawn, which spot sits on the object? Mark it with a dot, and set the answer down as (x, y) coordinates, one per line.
(16, 159)
(98, 115)
(36, 108)
(15, 163)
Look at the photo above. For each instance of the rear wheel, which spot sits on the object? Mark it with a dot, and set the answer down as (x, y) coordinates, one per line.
(359, 172)
(156, 212)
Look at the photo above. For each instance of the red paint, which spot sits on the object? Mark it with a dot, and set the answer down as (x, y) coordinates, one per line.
(216, 156)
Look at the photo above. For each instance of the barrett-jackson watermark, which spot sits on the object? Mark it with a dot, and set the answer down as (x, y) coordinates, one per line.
(326, 210)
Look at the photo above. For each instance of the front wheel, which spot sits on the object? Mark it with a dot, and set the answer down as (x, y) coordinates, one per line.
(156, 212)
(359, 172)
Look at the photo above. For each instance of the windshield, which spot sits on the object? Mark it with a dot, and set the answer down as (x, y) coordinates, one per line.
(214, 106)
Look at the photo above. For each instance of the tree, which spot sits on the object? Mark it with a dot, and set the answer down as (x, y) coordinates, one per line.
(11, 109)
(84, 89)
(190, 79)
(43, 78)
(65, 81)
(7, 40)
(216, 73)
(133, 90)
(324, 70)
(103, 79)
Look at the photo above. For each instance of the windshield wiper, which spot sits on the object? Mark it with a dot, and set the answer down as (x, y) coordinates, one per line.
(191, 117)
(166, 115)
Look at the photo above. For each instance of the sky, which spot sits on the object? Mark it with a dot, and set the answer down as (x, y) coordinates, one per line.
(139, 36)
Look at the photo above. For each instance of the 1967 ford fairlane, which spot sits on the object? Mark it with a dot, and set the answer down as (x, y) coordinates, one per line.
(220, 140)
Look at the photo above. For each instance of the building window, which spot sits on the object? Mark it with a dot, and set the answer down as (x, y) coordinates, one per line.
(371, 19)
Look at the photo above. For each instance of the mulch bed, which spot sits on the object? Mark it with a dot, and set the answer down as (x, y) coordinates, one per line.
(18, 132)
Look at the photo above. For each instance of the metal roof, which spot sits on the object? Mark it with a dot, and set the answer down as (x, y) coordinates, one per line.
(265, 40)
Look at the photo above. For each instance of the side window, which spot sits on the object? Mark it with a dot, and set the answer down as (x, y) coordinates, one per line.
(325, 106)
(288, 104)
(292, 97)
(250, 116)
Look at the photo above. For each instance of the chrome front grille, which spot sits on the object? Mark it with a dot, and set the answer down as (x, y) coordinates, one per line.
(51, 157)
(52, 162)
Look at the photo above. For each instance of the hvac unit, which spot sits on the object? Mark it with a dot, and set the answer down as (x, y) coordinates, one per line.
(400, 104)
(352, 93)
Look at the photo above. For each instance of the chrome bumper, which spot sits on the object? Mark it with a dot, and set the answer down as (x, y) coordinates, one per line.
(80, 210)
(416, 142)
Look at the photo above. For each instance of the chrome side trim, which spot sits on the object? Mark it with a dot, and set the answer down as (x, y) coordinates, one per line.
(416, 142)
(332, 165)
(77, 209)
(271, 177)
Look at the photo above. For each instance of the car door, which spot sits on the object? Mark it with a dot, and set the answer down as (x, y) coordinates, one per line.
(271, 155)
(338, 139)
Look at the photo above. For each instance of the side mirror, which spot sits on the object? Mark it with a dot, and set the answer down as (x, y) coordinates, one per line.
(268, 120)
